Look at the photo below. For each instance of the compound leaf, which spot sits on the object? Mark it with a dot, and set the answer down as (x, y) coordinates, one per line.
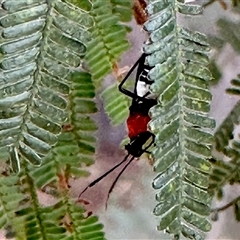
(41, 42)
(180, 120)
(76, 144)
(108, 38)
(224, 134)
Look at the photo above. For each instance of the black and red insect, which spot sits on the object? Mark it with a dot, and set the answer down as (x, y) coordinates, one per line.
(140, 138)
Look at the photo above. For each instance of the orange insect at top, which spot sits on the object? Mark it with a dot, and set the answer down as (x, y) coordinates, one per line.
(139, 11)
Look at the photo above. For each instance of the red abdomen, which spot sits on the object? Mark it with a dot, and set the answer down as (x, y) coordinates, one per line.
(137, 123)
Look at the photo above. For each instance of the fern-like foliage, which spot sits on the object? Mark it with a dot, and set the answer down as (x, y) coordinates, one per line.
(40, 43)
(223, 173)
(34, 222)
(108, 36)
(235, 89)
(75, 148)
(76, 145)
(10, 196)
(84, 228)
(227, 143)
(180, 121)
(224, 134)
(229, 32)
(62, 220)
(122, 9)
(82, 107)
(115, 104)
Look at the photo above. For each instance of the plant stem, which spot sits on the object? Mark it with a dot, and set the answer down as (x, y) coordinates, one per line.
(226, 206)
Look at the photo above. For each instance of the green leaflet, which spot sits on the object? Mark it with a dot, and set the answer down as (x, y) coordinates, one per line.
(123, 9)
(108, 36)
(10, 196)
(222, 173)
(85, 228)
(235, 89)
(229, 32)
(115, 104)
(84, 5)
(40, 43)
(224, 133)
(189, 9)
(180, 121)
(226, 143)
(76, 144)
(236, 211)
(216, 72)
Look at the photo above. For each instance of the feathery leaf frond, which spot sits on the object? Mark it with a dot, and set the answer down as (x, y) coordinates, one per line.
(180, 121)
(41, 42)
(10, 196)
(115, 104)
(228, 143)
(62, 220)
(224, 134)
(84, 5)
(30, 215)
(76, 144)
(229, 32)
(222, 173)
(123, 9)
(108, 38)
(84, 128)
(84, 228)
(226, 172)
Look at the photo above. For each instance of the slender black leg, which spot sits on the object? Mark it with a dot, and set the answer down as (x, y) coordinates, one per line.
(147, 152)
(103, 176)
(120, 87)
(118, 176)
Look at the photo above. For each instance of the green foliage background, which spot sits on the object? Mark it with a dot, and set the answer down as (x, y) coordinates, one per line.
(54, 56)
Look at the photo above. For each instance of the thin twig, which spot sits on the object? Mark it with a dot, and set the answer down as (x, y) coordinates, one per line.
(226, 206)
(208, 3)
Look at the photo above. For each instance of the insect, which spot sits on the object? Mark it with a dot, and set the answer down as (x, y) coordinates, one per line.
(140, 138)
(139, 11)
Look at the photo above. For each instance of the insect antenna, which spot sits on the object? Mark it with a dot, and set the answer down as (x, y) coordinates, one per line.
(103, 176)
(118, 176)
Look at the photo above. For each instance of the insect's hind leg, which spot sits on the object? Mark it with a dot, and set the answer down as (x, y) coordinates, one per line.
(120, 87)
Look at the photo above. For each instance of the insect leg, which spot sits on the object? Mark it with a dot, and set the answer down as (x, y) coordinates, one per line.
(118, 176)
(103, 176)
(120, 87)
